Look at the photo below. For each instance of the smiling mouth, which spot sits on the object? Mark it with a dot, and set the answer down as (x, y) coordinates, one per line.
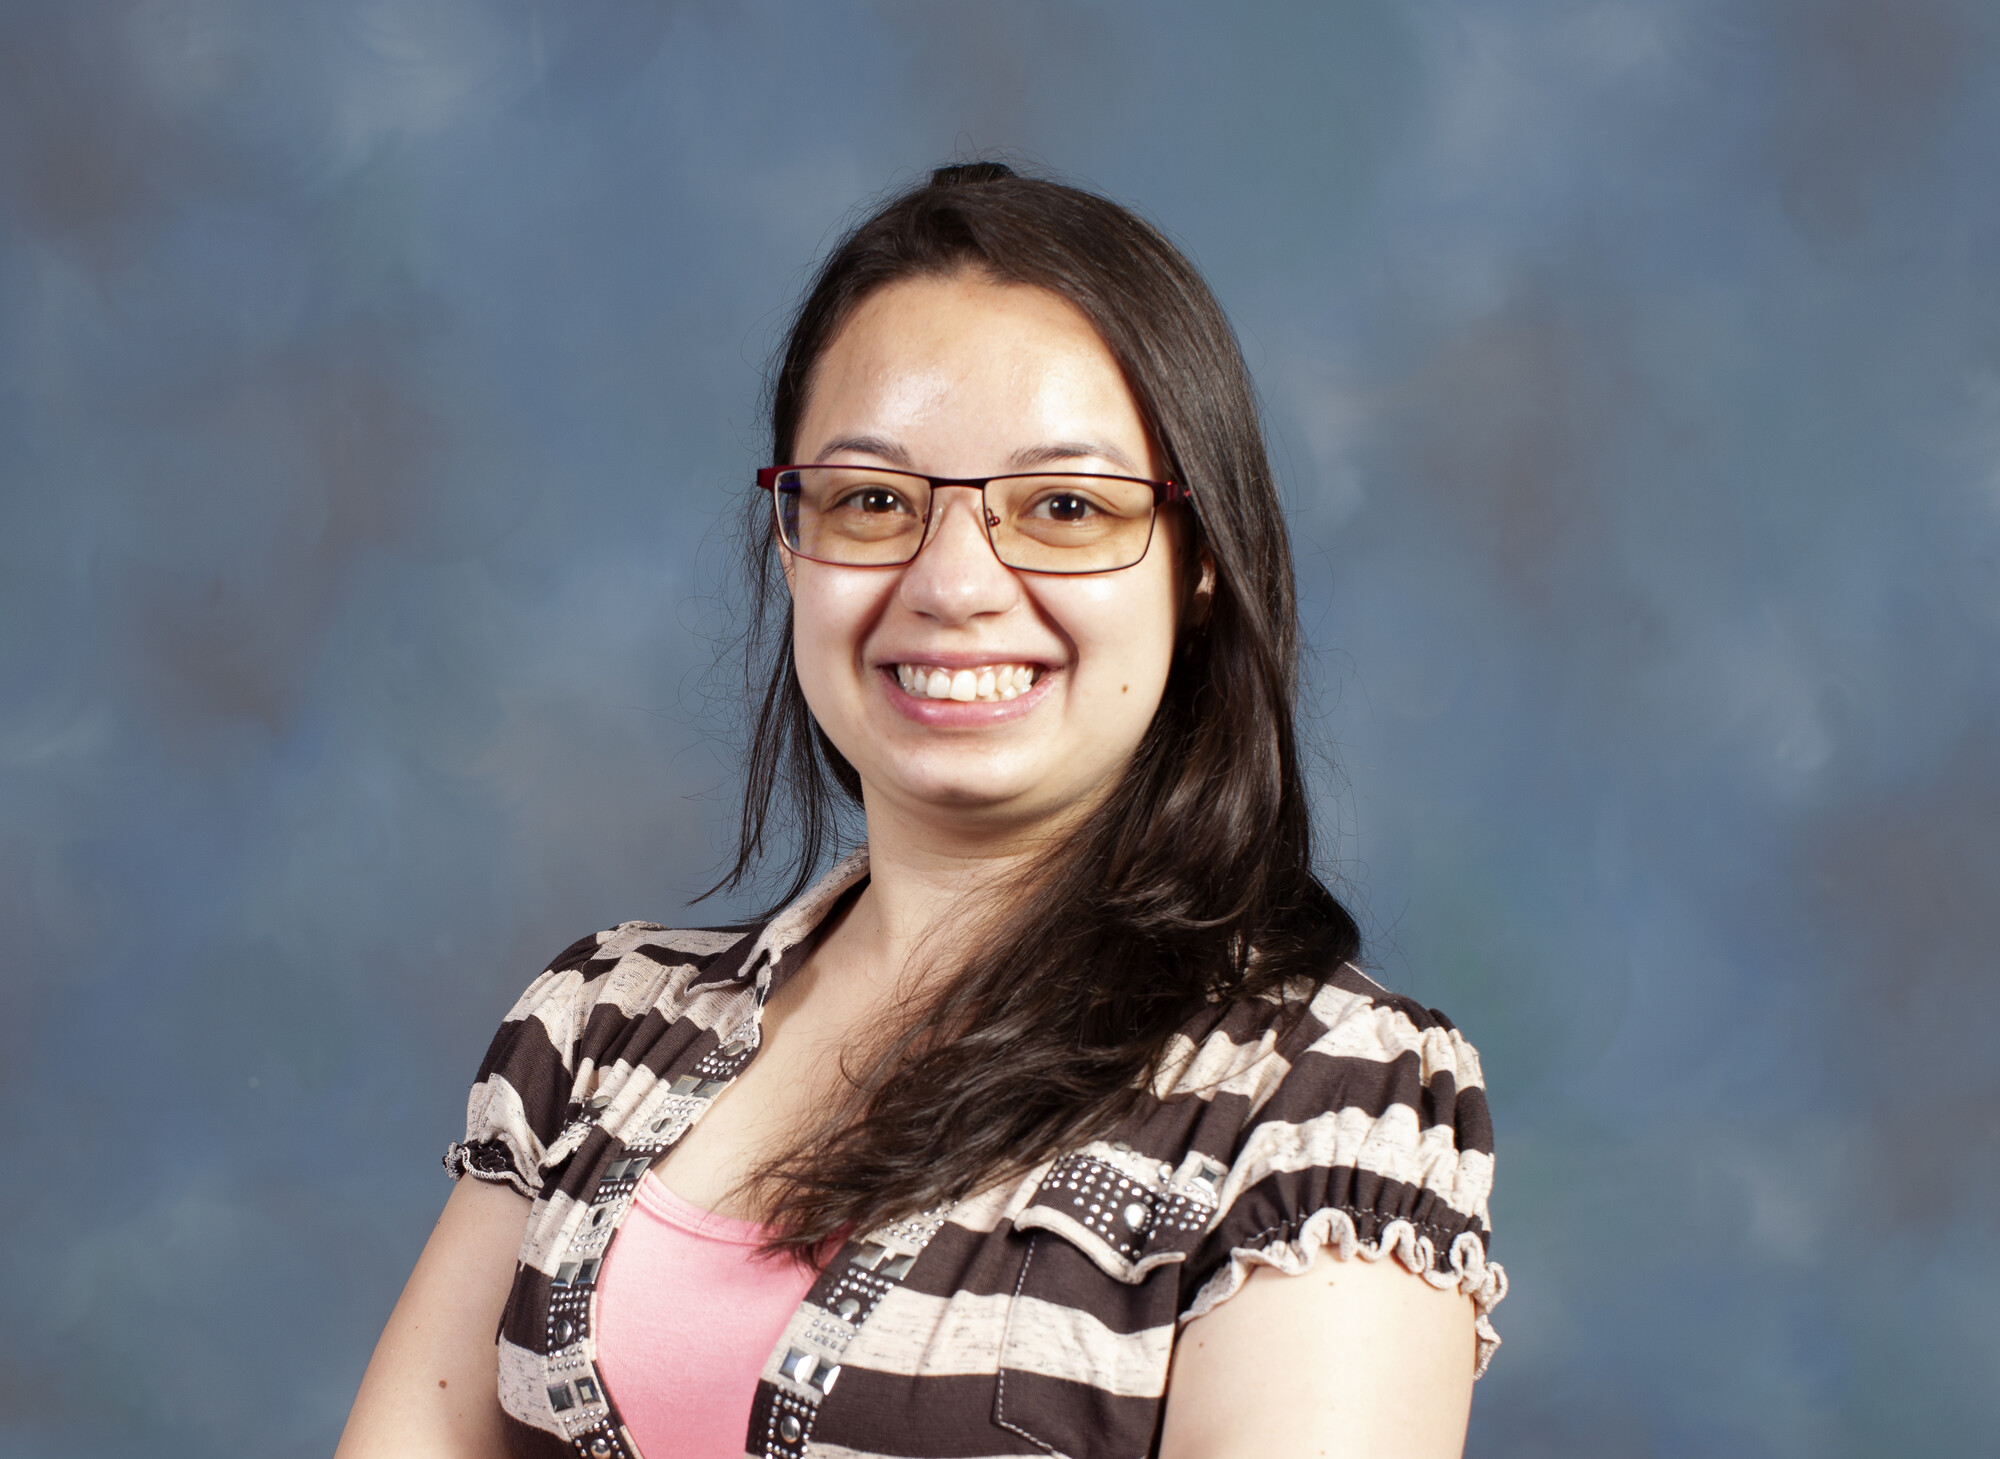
(987, 684)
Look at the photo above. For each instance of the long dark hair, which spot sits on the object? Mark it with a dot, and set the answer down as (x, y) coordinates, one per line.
(1193, 880)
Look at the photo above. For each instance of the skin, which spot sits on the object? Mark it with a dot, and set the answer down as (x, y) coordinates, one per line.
(432, 1387)
(964, 377)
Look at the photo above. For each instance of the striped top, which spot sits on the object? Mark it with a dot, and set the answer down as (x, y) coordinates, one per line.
(1034, 1317)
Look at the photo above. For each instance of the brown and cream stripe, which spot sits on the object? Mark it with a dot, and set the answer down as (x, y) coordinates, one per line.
(1036, 1317)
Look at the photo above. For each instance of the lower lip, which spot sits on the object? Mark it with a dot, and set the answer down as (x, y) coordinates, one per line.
(963, 713)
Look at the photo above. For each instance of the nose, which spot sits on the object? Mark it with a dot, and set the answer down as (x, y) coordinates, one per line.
(955, 576)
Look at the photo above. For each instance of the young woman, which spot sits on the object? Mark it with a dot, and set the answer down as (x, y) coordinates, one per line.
(1057, 1117)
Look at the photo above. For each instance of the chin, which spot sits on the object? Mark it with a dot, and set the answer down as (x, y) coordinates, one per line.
(984, 801)
(969, 790)
(961, 794)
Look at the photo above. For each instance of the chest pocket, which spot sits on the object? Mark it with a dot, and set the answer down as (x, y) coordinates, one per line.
(1090, 1332)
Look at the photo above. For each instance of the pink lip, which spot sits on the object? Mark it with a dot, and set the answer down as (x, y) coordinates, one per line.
(961, 714)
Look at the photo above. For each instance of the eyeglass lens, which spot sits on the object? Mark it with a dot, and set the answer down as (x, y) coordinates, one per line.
(863, 517)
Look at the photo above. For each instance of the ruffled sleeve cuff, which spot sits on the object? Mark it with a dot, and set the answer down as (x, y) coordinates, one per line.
(1464, 1269)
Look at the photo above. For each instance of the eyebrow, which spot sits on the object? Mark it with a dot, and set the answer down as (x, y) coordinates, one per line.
(1025, 459)
(1069, 451)
(868, 446)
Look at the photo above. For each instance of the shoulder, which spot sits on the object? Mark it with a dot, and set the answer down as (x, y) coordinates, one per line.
(1355, 1118)
(590, 964)
(564, 1027)
(1344, 1039)
(1358, 1043)
(623, 971)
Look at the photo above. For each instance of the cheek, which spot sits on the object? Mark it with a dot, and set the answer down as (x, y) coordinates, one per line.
(832, 612)
(1124, 633)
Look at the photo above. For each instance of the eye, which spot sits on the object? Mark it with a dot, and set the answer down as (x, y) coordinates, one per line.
(874, 501)
(1064, 506)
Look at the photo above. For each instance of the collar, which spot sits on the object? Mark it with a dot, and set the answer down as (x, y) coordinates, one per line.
(771, 953)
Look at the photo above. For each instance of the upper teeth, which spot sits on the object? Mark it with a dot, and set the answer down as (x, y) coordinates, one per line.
(989, 682)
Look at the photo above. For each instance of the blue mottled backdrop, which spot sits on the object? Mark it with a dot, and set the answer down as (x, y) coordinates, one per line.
(376, 380)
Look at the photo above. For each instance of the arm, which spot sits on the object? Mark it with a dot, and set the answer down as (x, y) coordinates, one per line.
(1350, 1359)
(432, 1388)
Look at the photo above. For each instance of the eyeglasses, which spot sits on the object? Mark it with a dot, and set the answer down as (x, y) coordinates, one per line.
(1048, 522)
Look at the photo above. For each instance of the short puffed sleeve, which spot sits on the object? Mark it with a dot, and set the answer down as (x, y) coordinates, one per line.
(1368, 1132)
(519, 1103)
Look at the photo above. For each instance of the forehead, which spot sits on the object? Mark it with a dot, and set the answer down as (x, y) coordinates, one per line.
(937, 310)
(969, 359)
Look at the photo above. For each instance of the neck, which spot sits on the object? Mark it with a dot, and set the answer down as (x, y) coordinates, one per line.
(928, 888)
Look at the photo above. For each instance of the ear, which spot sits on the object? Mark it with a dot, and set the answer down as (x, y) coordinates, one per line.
(785, 562)
(1203, 596)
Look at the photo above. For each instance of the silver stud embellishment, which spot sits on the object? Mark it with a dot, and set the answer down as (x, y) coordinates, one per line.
(798, 1366)
(869, 1255)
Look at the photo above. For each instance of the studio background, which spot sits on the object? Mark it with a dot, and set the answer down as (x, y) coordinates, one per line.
(378, 381)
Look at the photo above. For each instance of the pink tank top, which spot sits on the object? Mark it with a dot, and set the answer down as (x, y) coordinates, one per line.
(686, 1316)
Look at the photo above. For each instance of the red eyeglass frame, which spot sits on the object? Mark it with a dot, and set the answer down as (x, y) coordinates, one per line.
(1165, 493)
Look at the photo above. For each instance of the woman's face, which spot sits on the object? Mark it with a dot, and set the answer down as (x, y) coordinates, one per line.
(963, 377)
